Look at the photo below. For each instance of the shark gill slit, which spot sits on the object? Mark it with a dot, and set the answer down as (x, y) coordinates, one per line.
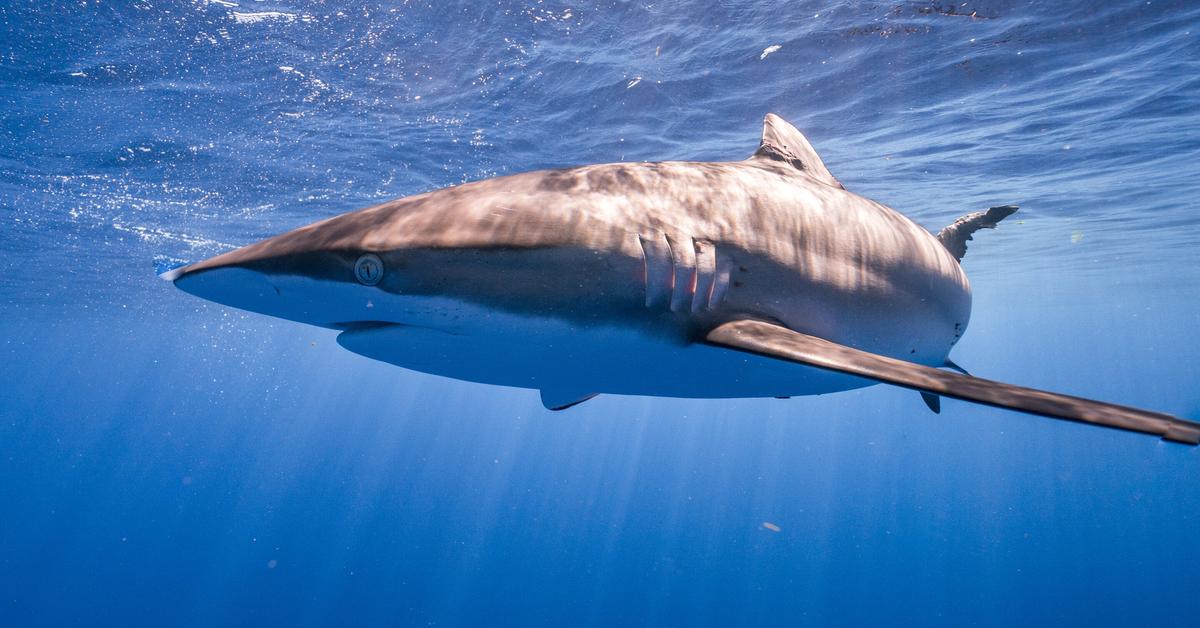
(670, 261)
(645, 270)
(706, 268)
(721, 282)
(683, 257)
(660, 271)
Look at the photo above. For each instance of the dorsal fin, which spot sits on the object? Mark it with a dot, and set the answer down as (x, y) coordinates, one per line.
(955, 236)
(783, 142)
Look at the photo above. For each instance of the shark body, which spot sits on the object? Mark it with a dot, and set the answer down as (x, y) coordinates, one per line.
(678, 279)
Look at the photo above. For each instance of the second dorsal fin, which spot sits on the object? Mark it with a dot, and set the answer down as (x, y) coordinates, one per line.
(783, 142)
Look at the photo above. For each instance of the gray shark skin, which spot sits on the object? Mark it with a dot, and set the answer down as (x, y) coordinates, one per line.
(678, 279)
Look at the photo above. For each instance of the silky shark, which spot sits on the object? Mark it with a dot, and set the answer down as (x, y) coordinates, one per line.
(757, 278)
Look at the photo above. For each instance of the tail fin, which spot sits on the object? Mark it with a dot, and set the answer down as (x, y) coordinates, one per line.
(955, 236)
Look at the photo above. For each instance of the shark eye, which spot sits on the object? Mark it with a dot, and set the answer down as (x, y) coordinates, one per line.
(368, 270)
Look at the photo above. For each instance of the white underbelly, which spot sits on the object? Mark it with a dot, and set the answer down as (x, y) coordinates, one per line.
(548, 354)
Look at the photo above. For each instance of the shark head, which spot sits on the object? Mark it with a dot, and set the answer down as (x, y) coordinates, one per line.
(422, 261)
(310, 276)
(325, 288)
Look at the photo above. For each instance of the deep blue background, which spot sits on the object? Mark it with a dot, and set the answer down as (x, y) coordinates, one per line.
(164, 461)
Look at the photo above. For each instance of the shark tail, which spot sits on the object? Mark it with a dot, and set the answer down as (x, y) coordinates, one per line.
(958, 233)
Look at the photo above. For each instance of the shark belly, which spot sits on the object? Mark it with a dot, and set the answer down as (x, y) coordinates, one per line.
(551, 354)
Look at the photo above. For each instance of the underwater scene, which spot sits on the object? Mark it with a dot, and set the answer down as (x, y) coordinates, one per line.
(186, 455)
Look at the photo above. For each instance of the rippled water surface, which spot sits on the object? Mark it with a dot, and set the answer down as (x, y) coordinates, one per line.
(164, 461)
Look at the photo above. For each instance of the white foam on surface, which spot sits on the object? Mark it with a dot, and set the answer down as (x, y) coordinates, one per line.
(253, 17)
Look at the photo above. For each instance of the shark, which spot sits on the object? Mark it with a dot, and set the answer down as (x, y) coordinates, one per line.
(763, 277)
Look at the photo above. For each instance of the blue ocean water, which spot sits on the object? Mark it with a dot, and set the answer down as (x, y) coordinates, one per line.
(167, 461)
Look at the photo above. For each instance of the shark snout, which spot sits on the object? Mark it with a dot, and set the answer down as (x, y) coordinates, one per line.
(321, 295)
(294, 276)
(235, 286)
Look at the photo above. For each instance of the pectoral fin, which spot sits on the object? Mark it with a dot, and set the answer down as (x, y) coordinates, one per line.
(775, 341)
